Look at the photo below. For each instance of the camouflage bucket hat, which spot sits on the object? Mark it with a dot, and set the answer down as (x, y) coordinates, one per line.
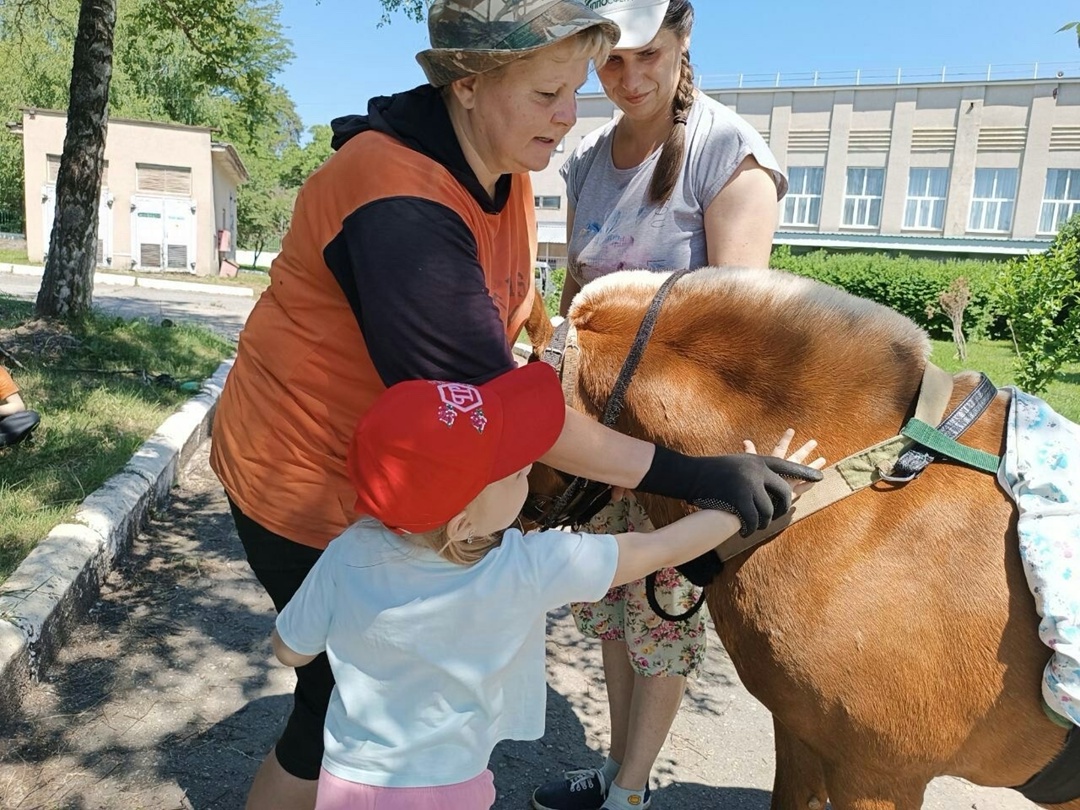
(475, 36)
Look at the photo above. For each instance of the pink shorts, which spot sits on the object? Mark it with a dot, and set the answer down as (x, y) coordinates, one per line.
(335, 793)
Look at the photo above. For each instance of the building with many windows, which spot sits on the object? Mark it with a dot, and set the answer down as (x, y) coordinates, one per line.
(168, 193)
(939, 167)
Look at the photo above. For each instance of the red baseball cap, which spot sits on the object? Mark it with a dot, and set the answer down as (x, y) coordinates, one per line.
(426, 449)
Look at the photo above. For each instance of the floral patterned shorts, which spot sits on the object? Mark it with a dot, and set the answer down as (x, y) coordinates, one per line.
(656, 647)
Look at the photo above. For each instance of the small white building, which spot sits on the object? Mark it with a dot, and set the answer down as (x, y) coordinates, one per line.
(168, 196)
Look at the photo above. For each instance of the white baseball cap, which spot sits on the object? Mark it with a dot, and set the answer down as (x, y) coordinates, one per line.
(639, 20)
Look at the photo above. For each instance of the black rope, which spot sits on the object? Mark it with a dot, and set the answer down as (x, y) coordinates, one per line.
(650, 594)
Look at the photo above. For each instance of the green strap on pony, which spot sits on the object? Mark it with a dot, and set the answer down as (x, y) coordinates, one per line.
(929, 436)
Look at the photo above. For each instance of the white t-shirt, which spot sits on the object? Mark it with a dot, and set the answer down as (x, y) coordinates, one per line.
(615, 225)
(435, 662)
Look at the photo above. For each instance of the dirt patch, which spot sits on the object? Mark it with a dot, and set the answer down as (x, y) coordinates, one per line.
(38, 339)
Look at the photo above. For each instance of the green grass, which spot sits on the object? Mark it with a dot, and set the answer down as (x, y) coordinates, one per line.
(9, 256)
(94, 411)
(996, 358)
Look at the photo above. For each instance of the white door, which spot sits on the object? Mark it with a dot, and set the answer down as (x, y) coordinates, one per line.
(163, 233)
(179, 247)
(148, 232)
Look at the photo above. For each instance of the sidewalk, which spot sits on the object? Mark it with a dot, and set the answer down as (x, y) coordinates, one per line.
(56, 584)
(165, 695)
(148, 282)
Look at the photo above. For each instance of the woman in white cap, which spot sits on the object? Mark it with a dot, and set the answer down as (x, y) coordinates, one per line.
(677, 181)
(410, 256)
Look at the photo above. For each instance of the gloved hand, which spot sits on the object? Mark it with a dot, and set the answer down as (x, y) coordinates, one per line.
(747, 485)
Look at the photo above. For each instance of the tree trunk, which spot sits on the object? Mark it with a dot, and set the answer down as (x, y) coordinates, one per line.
(68, 283)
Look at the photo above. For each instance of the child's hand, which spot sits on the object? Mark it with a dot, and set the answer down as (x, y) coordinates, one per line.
(780, 450)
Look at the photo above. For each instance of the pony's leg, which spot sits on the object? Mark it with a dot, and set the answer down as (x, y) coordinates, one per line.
(852, 789)
(800, 781)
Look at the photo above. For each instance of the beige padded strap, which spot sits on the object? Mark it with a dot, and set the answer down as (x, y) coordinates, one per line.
(934, 395)
(839, 480)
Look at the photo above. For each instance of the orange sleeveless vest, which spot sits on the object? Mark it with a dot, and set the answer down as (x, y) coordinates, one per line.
(302, 375)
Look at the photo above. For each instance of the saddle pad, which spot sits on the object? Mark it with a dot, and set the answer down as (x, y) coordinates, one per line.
(1040, 469)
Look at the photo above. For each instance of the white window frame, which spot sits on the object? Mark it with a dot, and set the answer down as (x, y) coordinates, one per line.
(540, 201)
(924, 211)
(862, 210)
(993, 214)
(1057, 210)
(802, 205)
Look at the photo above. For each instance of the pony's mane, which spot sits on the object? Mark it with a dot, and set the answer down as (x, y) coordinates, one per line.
(776, 349)
(818, 311)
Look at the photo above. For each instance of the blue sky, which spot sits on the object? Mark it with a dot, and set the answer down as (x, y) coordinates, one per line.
(343, 57)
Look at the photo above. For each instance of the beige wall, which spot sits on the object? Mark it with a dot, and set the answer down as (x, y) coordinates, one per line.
(129, 143)
(225, 187)
(961, 127)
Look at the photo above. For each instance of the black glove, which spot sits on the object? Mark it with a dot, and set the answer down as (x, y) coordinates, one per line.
(747, 485)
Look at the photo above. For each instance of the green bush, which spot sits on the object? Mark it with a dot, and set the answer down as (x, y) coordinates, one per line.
(551, 300)
(910, 286)
(1040, 296)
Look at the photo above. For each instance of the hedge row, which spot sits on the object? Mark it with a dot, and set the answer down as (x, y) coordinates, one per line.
(910, 286)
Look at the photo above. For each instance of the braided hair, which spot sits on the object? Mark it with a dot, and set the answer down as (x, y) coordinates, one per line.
(680, 20)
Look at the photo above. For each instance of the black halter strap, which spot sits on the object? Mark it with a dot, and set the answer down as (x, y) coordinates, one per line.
(617, 399)
(612, 410)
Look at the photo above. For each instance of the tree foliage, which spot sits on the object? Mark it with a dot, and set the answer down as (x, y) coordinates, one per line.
(413, 9)
(1040, 295)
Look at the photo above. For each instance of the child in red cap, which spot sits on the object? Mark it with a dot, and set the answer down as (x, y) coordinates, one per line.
(434, 618)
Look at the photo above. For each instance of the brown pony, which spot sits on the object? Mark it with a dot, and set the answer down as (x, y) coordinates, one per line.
(892, 635)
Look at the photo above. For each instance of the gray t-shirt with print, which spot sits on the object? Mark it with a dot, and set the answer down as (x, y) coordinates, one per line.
(615, 226)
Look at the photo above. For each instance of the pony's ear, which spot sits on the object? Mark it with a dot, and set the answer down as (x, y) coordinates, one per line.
(538, 326)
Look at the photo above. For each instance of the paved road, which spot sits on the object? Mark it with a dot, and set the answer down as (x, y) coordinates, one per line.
(167, 697)
(223, 313)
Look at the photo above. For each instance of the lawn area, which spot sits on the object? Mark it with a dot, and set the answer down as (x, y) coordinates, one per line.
(995, 358)
(9, 256)
(100, 393)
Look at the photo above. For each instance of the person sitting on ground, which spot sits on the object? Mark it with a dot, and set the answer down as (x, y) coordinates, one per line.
(16, 421)
(432, 616)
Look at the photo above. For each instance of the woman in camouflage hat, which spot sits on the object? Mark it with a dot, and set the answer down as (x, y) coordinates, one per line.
(410, 256)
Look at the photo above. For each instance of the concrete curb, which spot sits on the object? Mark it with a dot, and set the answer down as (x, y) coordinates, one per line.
(60, 579)
(140, 281)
